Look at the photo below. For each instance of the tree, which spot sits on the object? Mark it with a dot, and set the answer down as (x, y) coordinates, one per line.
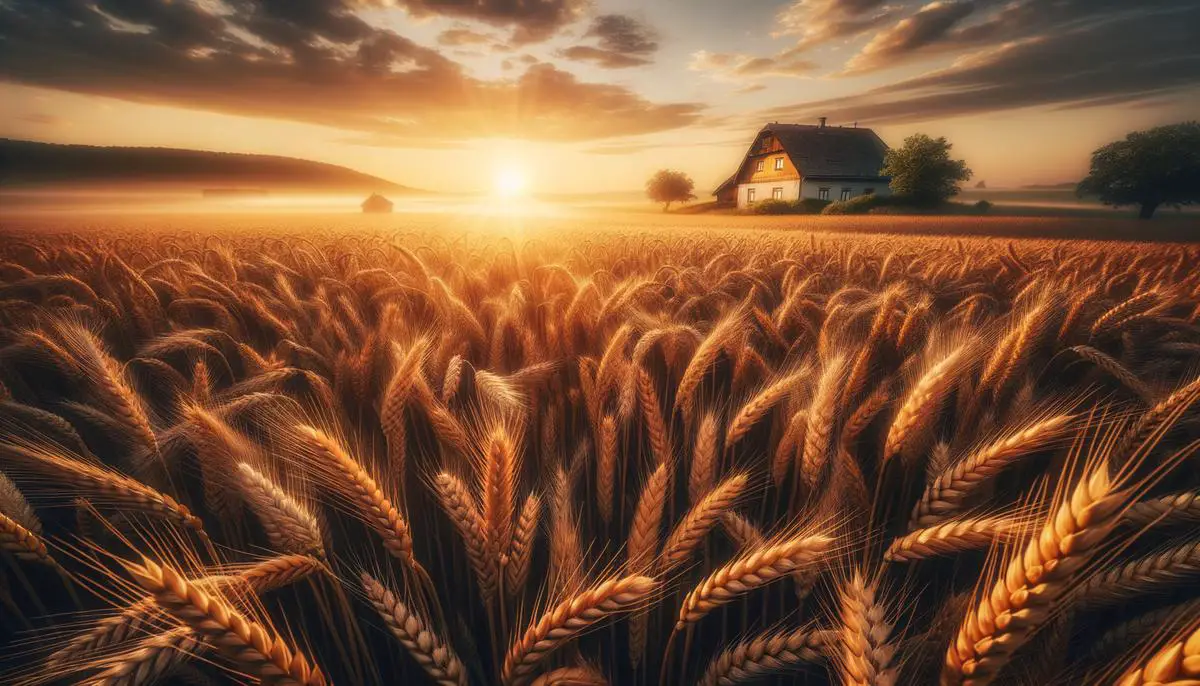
(1149, 169)
(923, 172)
(668, 186)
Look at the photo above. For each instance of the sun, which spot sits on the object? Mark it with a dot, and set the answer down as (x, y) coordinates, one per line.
(509, 182)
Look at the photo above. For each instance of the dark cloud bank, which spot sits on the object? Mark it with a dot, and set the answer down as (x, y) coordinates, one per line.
(1025, 53)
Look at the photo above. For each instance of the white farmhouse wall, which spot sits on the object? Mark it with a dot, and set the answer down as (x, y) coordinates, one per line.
(812, 189)
(763, 190)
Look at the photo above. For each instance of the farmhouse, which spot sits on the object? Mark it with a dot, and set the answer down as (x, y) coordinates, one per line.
(794, 161)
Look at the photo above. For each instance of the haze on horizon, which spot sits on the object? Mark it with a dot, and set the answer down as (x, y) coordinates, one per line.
(568, 96)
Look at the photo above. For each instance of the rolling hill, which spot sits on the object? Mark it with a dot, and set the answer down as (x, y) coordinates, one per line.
(32, 164)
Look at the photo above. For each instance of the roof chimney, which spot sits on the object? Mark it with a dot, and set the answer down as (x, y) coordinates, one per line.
(823, 120)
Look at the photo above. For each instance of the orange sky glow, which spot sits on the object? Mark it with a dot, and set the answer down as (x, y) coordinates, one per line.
(568, 96)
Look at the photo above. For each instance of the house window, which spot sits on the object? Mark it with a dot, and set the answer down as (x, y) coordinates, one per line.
(750, 193)
(822, 193)
(868, 191)
(778, 164)
(846, 193)
(758, 166)
(777, 194)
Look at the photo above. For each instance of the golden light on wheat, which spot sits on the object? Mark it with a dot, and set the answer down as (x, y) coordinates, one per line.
(597, 459)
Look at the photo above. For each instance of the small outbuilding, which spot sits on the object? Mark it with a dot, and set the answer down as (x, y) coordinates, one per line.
(377, 204)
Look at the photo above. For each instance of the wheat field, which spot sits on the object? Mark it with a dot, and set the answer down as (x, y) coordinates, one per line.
(623, 457)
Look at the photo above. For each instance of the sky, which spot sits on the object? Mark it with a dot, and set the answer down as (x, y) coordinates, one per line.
(577, 96)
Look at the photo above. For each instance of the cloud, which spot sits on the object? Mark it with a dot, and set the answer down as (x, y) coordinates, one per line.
(601, 57)
(1081, 59)
(816, 22)
(461, 36)
(621, 42)
(531, 20)
(314, 61)
(734, 66)
(929, 25)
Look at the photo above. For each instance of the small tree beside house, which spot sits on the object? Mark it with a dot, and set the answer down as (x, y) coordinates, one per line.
(1152, 168)
(923, 171)
(668, 186)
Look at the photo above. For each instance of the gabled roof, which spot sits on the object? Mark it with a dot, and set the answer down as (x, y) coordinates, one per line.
(830, 150)
(836, 152)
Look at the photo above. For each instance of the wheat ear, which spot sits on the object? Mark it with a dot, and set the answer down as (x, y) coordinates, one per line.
(1033, 580)
(1164, 510)
(822, 414)
(606, 467)
(699, 520)
(866, 655)
(566, 551)
(704, 459)
(1116, 370)
(153, 659)
(757, 407)
(22, 543)
(434, 655)
(460, 507)
(703, 358)
(766, 654)
(750, 571)
(1177, 662)
(952, 488)
(571, 676)
(1156, 572)
(355, 484)
(656, 428)
(103, 482)
(520, 553)
(920, 406)
(644, 535)
(251, 645)
(786, 452)
(500, 472)
(289, 526)
(570, 618)
(143, 615)
(1168, 409)
(952, 536)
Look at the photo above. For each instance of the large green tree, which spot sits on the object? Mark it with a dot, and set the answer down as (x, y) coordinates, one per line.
(668, 186)
(1152, 168)
(923, 171)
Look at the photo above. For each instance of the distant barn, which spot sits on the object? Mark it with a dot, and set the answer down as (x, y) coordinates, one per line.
(377, 204)
(793, 161)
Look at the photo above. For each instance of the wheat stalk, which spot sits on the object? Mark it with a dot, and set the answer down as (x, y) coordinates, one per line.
(953, 536)
(428, 649)
(571, 617)
(698, 521)
(866, 653)
(104, 484)
(952, 488)
(245, 641)
(289, 526)
(354, 483)
(770, 653)
(1033, 580)
(750, 571)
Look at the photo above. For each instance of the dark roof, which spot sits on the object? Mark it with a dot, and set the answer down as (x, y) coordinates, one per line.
(830, 150)
(376, 200)
(833, 152)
